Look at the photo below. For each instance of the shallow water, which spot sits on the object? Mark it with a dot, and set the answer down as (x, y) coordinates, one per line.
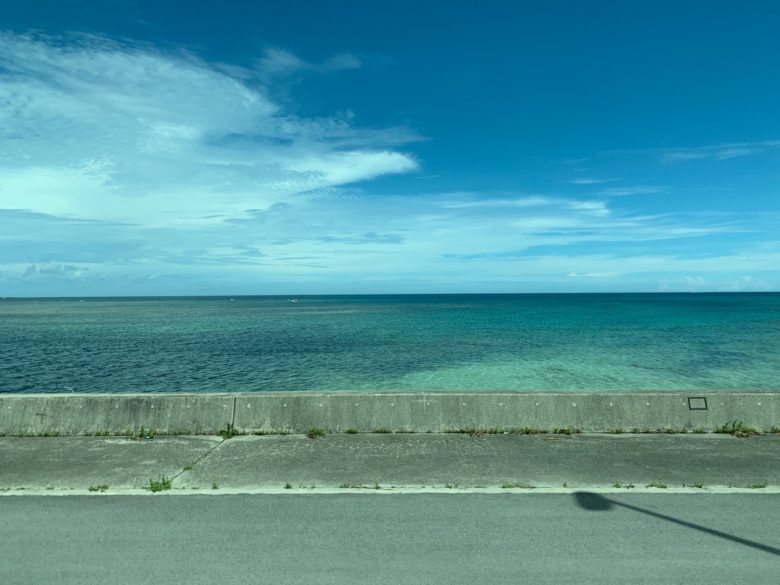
(400, 342)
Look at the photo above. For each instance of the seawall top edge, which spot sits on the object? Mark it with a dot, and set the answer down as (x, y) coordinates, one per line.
(357, 394)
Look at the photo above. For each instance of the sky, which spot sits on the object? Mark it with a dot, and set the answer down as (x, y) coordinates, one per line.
(347, 147)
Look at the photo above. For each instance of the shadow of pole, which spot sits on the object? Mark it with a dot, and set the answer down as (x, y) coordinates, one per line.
(598, 503)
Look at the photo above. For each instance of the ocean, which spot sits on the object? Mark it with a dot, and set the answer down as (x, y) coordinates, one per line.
(524, 342)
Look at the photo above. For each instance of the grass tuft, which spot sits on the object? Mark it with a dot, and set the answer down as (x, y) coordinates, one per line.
(228, 432)
(97, 488)
(737, 429)
(315, 433)
(517, 485)
(528, 431)
(164, 483)
(141, 434)
(566, 431)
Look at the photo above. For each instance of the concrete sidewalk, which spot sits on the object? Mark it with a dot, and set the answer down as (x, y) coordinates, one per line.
(394, 462)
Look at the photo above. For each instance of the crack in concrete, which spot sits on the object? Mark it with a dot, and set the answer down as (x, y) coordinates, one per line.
(199, 460)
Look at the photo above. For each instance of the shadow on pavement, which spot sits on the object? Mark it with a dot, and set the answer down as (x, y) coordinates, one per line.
(598, 503)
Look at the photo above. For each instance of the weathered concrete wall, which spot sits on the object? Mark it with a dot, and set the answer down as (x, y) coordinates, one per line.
(77, 414)
(442, 412)
(82, 414)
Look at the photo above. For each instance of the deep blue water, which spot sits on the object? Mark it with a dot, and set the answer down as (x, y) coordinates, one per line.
(399, 342)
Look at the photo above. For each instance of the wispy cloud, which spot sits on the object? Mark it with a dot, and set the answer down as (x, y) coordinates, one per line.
(593, 274)
(590, 181)
(470, 200)
(277, 61)
(718, 151)
(97, 129)
(332, 239)
(632, 190)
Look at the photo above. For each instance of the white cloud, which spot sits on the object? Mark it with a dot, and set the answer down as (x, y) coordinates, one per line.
(591, 207)
(472, 200)
(697, 281)
(632, 190)
(115, 131)
(746, 283)
(341, 242)
(590, 181)
(718, 151)
(276, 61)
(593, 275)
(279, 61)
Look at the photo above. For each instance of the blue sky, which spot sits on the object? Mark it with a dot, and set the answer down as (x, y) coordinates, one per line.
(287, 147)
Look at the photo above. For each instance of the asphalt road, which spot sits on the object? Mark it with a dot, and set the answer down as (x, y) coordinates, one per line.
(395, 539)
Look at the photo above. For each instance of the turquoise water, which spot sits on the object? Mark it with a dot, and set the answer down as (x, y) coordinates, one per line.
(417, 342)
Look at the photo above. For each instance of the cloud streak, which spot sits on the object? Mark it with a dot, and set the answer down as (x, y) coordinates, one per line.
(277, 61)
(718, 152)
(97, 129)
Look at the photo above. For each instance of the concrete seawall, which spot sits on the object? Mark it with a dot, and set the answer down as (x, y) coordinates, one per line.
(88, 414)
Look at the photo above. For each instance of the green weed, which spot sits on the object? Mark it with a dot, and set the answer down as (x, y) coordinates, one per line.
(142, 434)
(164, 483)
(737, 429)
(528, 431)
(228, 432)
(566, 431)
